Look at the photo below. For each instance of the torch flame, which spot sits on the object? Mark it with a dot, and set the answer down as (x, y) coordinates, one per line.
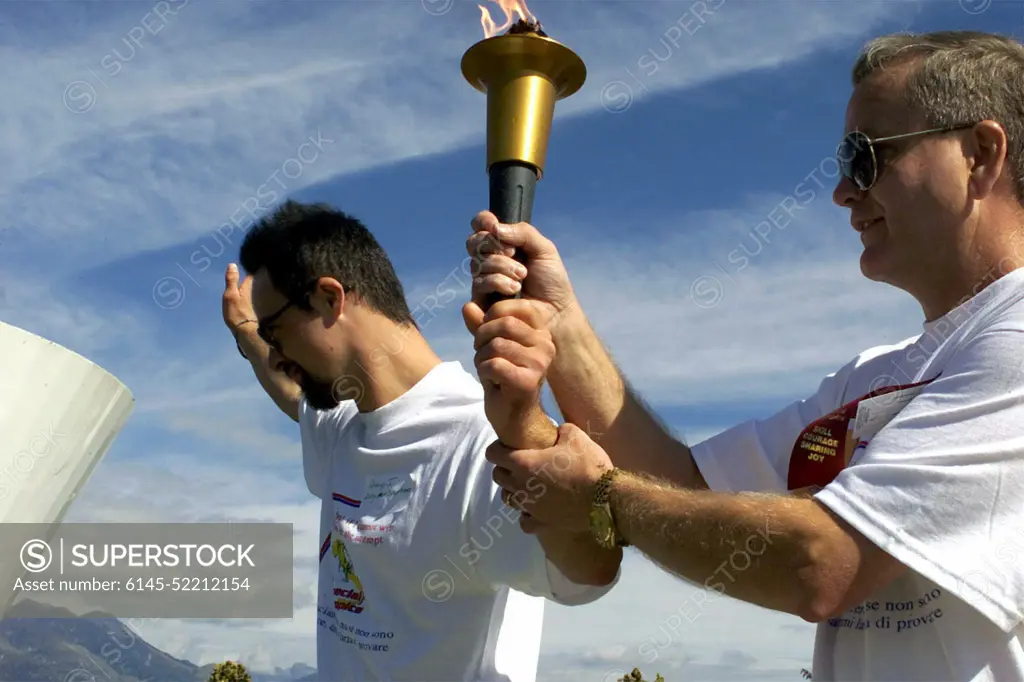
(509, 7)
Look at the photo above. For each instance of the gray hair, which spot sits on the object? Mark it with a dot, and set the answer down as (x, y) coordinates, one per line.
(959, 77)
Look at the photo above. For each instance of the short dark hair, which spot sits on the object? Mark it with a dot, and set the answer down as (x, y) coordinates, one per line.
(298, 243)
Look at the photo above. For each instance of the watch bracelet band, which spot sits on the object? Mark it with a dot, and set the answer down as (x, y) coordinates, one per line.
(234, 333)
(604, 486)
(602, 496)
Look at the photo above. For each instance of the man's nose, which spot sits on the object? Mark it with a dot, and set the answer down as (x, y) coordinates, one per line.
(845, 192)
(277, 361)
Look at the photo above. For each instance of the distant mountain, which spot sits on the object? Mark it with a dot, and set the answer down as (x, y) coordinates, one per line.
(39, 643)
(299, 672)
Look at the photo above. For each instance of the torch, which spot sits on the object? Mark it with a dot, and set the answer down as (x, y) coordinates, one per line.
(523, 72)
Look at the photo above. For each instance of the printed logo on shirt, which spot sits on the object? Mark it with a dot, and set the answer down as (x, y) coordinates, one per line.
(388, 494)
(839, 439)
(370, 524)
(858, 451)
(347, 596)
(348, 589)
(355, 504)
(362, 531)
(897, 616)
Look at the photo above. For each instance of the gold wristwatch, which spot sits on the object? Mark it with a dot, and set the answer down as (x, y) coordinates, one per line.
(602, 521)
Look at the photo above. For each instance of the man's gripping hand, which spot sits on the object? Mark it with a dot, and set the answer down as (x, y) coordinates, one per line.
(543, 282)
(513, 353)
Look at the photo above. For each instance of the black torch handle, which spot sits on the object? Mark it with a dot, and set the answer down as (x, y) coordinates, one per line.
(512, 186)
(511, 201)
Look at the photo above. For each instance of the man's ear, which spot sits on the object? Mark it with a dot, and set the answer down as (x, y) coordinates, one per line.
(328, 298)
(988, 150)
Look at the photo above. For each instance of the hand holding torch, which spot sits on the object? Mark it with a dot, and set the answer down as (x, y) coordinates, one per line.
(523, 72)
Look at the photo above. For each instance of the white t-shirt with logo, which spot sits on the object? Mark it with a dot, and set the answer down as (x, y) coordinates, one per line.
(417, 551)
(931, 469)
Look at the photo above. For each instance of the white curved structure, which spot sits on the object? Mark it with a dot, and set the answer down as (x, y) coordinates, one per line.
(59, 414)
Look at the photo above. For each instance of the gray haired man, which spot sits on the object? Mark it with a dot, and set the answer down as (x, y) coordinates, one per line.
(888, 506)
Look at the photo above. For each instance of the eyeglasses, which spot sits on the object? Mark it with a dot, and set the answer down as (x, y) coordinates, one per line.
(264, 328)
(860, 164)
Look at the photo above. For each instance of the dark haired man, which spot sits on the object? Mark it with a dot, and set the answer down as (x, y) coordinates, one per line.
(423, 575)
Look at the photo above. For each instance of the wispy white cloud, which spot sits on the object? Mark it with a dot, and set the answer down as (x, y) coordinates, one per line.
(165, 126)
(39, 304)
(169, 487)
(680, 630)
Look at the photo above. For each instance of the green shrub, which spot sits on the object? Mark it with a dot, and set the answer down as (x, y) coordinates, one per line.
(229, 671)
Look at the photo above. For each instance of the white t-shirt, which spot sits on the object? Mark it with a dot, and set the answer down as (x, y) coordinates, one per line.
(417, 550)
(933, 474)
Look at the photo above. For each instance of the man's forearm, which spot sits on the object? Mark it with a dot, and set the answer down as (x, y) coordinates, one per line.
(579, 557)
(281, 389)
(592, 394)
(759, 548)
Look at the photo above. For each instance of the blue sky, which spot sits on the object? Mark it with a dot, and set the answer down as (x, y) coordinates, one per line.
(135, 130)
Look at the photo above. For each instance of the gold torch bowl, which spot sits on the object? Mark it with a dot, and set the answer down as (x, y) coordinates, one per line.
(523, 74)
